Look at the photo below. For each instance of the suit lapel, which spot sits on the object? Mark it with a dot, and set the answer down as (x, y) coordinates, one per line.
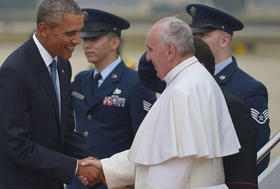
(107, 86)
(224, 75)
(42, 73)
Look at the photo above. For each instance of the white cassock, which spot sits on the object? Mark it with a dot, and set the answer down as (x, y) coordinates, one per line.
(181, 141)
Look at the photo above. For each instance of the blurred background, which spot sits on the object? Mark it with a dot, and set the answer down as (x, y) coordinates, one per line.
(257, 46)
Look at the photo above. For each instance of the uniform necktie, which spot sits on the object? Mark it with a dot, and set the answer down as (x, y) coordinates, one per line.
(53, 76)
(95, 80)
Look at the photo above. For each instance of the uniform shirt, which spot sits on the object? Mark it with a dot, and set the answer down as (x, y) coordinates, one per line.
(107, 70)
(222, 65)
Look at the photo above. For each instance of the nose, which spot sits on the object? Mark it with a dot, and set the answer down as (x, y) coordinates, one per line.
(86, 44)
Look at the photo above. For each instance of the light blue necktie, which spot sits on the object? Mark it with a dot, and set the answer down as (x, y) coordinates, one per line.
(53, 75)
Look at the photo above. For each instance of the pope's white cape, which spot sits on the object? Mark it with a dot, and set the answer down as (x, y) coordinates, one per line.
(190, 118)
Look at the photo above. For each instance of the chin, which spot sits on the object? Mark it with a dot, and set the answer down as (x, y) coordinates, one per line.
(66, 56)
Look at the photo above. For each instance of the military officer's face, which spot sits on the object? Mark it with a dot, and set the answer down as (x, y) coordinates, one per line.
(214, 39)
(62, 38)
(99, 49)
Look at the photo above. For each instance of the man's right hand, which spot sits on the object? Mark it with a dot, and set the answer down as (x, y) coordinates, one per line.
(91, 173)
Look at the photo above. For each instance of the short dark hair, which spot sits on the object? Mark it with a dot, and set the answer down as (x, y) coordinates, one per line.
(204, 54)
(50, 11)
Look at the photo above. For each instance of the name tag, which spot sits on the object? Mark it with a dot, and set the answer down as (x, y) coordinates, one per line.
(77, 95)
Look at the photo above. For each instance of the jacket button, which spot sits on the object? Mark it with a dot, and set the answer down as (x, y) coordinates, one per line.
(222, 77)
(86, 134)
(89, 117)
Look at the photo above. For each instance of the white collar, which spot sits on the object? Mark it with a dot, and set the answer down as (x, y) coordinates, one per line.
(44, 53)
(170, 76)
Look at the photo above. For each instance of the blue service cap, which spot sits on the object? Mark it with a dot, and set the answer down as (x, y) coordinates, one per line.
(205, 19)
(98, 22)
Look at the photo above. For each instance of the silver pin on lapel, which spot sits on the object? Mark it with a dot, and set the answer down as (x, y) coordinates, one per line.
(114, 76)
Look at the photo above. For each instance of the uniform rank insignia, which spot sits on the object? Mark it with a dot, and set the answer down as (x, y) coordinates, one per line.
(259, 117)
(114, 100)
(146, 105)
(77, 95)
(117, 91)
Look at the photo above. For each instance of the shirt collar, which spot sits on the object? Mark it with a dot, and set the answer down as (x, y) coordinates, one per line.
(171, 75)
(108, 69)
(219, 67)
(44, 53)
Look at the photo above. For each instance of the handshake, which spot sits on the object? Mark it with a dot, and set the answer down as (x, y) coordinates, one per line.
(90, 171)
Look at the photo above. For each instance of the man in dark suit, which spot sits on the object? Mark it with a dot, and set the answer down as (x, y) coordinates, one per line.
(39, 148)
(109, 101)
(216, 29)
(240, 169)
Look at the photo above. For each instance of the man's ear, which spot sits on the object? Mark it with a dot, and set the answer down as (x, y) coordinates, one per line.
(171, 51)
(225, 39)
(43, 29)
(115, 43)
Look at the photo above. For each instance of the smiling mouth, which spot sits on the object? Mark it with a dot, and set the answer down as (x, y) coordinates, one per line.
(71, 49)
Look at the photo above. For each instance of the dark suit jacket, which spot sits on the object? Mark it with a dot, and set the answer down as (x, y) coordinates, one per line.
(35, 146)
(254, 95)
(107, 126)
(240, 168)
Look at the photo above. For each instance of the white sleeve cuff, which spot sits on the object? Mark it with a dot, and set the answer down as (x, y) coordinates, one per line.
(118, 170)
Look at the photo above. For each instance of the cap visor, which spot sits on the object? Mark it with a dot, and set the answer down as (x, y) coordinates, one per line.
(201, 30)
(92, 34)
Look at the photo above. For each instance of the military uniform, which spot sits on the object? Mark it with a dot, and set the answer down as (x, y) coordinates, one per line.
(108, 115)
(252, 92)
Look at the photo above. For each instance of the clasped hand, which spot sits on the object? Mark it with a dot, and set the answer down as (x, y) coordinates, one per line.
(90, 171)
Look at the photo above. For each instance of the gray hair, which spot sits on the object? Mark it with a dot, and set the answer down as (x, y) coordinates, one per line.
(178, 33)
(50, 11)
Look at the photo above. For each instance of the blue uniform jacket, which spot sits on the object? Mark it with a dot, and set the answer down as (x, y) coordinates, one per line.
(254, 94)
(110, 116)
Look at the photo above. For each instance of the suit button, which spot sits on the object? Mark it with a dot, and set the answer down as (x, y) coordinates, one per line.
(89, 117)
(86, 134)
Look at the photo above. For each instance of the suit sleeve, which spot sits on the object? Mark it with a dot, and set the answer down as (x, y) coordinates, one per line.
(148, 75)
(15, 124)
(140, 102)
(75, 144)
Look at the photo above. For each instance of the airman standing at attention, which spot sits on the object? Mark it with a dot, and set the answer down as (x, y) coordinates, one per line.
(216, 29)
(109, 101)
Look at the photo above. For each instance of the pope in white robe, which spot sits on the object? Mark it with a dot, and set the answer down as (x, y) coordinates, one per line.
(181, 141)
